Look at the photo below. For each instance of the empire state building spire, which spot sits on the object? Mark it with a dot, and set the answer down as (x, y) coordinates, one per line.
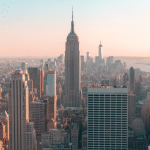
(72, 23)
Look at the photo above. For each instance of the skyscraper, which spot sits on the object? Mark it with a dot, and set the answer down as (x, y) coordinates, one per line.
(100, 53)
(37, 76)
(51, 83)
(72, 96)
(107, 118)
(19, 114)
(132, 82)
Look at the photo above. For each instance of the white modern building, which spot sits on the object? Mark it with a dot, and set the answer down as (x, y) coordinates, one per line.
(107, 118)
(51, 83)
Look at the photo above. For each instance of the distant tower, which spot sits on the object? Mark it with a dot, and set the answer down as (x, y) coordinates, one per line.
(37, 76)
(132, 80)
(100, 52)
(51, 83)
(23, 66)
(72, 96)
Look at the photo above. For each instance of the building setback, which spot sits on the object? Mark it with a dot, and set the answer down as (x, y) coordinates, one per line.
(72, 96)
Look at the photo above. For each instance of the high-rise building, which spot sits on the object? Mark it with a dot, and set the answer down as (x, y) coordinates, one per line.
(23, 66)
(51, 107)
(107, 118)
(125, 79)
(132, 80)
(19, 114)
(131, 108)
(100, 53)
(51, 83)
(74, 135)
(37, 110)
(37, 76)
(87, 57)
(72, 96)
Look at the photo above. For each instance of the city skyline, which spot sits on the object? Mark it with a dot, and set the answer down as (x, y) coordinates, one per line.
(40, 28)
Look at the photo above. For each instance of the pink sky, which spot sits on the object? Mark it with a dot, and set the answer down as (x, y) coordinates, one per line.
(122, 32)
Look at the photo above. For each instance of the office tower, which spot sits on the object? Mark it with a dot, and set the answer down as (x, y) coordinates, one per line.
(88, 57)
(41, 64)
(37, 76)
(100, 53)
(109, 61)
(82, 63)
(46, 68)
(74, 135)
(132, 80)
(125, 79)
(51, 107)
(82, 59)
(37, 110)
(23, 66)
(51, 83)
(19, 113)
(72, 96)
(131, 108)
(107, 118)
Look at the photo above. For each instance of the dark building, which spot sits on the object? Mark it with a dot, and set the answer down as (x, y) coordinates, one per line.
(37, 76)
(132, 80)
(72, 96)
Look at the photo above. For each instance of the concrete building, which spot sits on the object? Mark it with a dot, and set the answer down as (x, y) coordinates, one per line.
(51, 83)
(131, 108)
(37, 110)
(74, 135)
(132, 80)
(125, 79)
(23, 66)
(19, 113)
(84, 141)
(107, 118)
(55, 138)
(72, 96)
(37, 76)
(51, 107)
(100, 53)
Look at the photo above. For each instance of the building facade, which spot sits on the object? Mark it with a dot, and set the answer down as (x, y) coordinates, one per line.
(19, 113)
(132, 80)
(37, 76)
(72, 96)
(107, 118)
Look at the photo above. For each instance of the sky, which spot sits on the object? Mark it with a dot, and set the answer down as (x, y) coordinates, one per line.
(40, 27)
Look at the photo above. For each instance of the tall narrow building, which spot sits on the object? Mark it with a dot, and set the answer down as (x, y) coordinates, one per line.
(132, 80)
(72, 96)
(19, 114)
(100, 52)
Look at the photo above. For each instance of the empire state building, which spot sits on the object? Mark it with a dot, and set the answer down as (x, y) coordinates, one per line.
(72, 96)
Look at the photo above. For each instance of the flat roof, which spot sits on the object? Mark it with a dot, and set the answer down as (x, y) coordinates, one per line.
(107, 89)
